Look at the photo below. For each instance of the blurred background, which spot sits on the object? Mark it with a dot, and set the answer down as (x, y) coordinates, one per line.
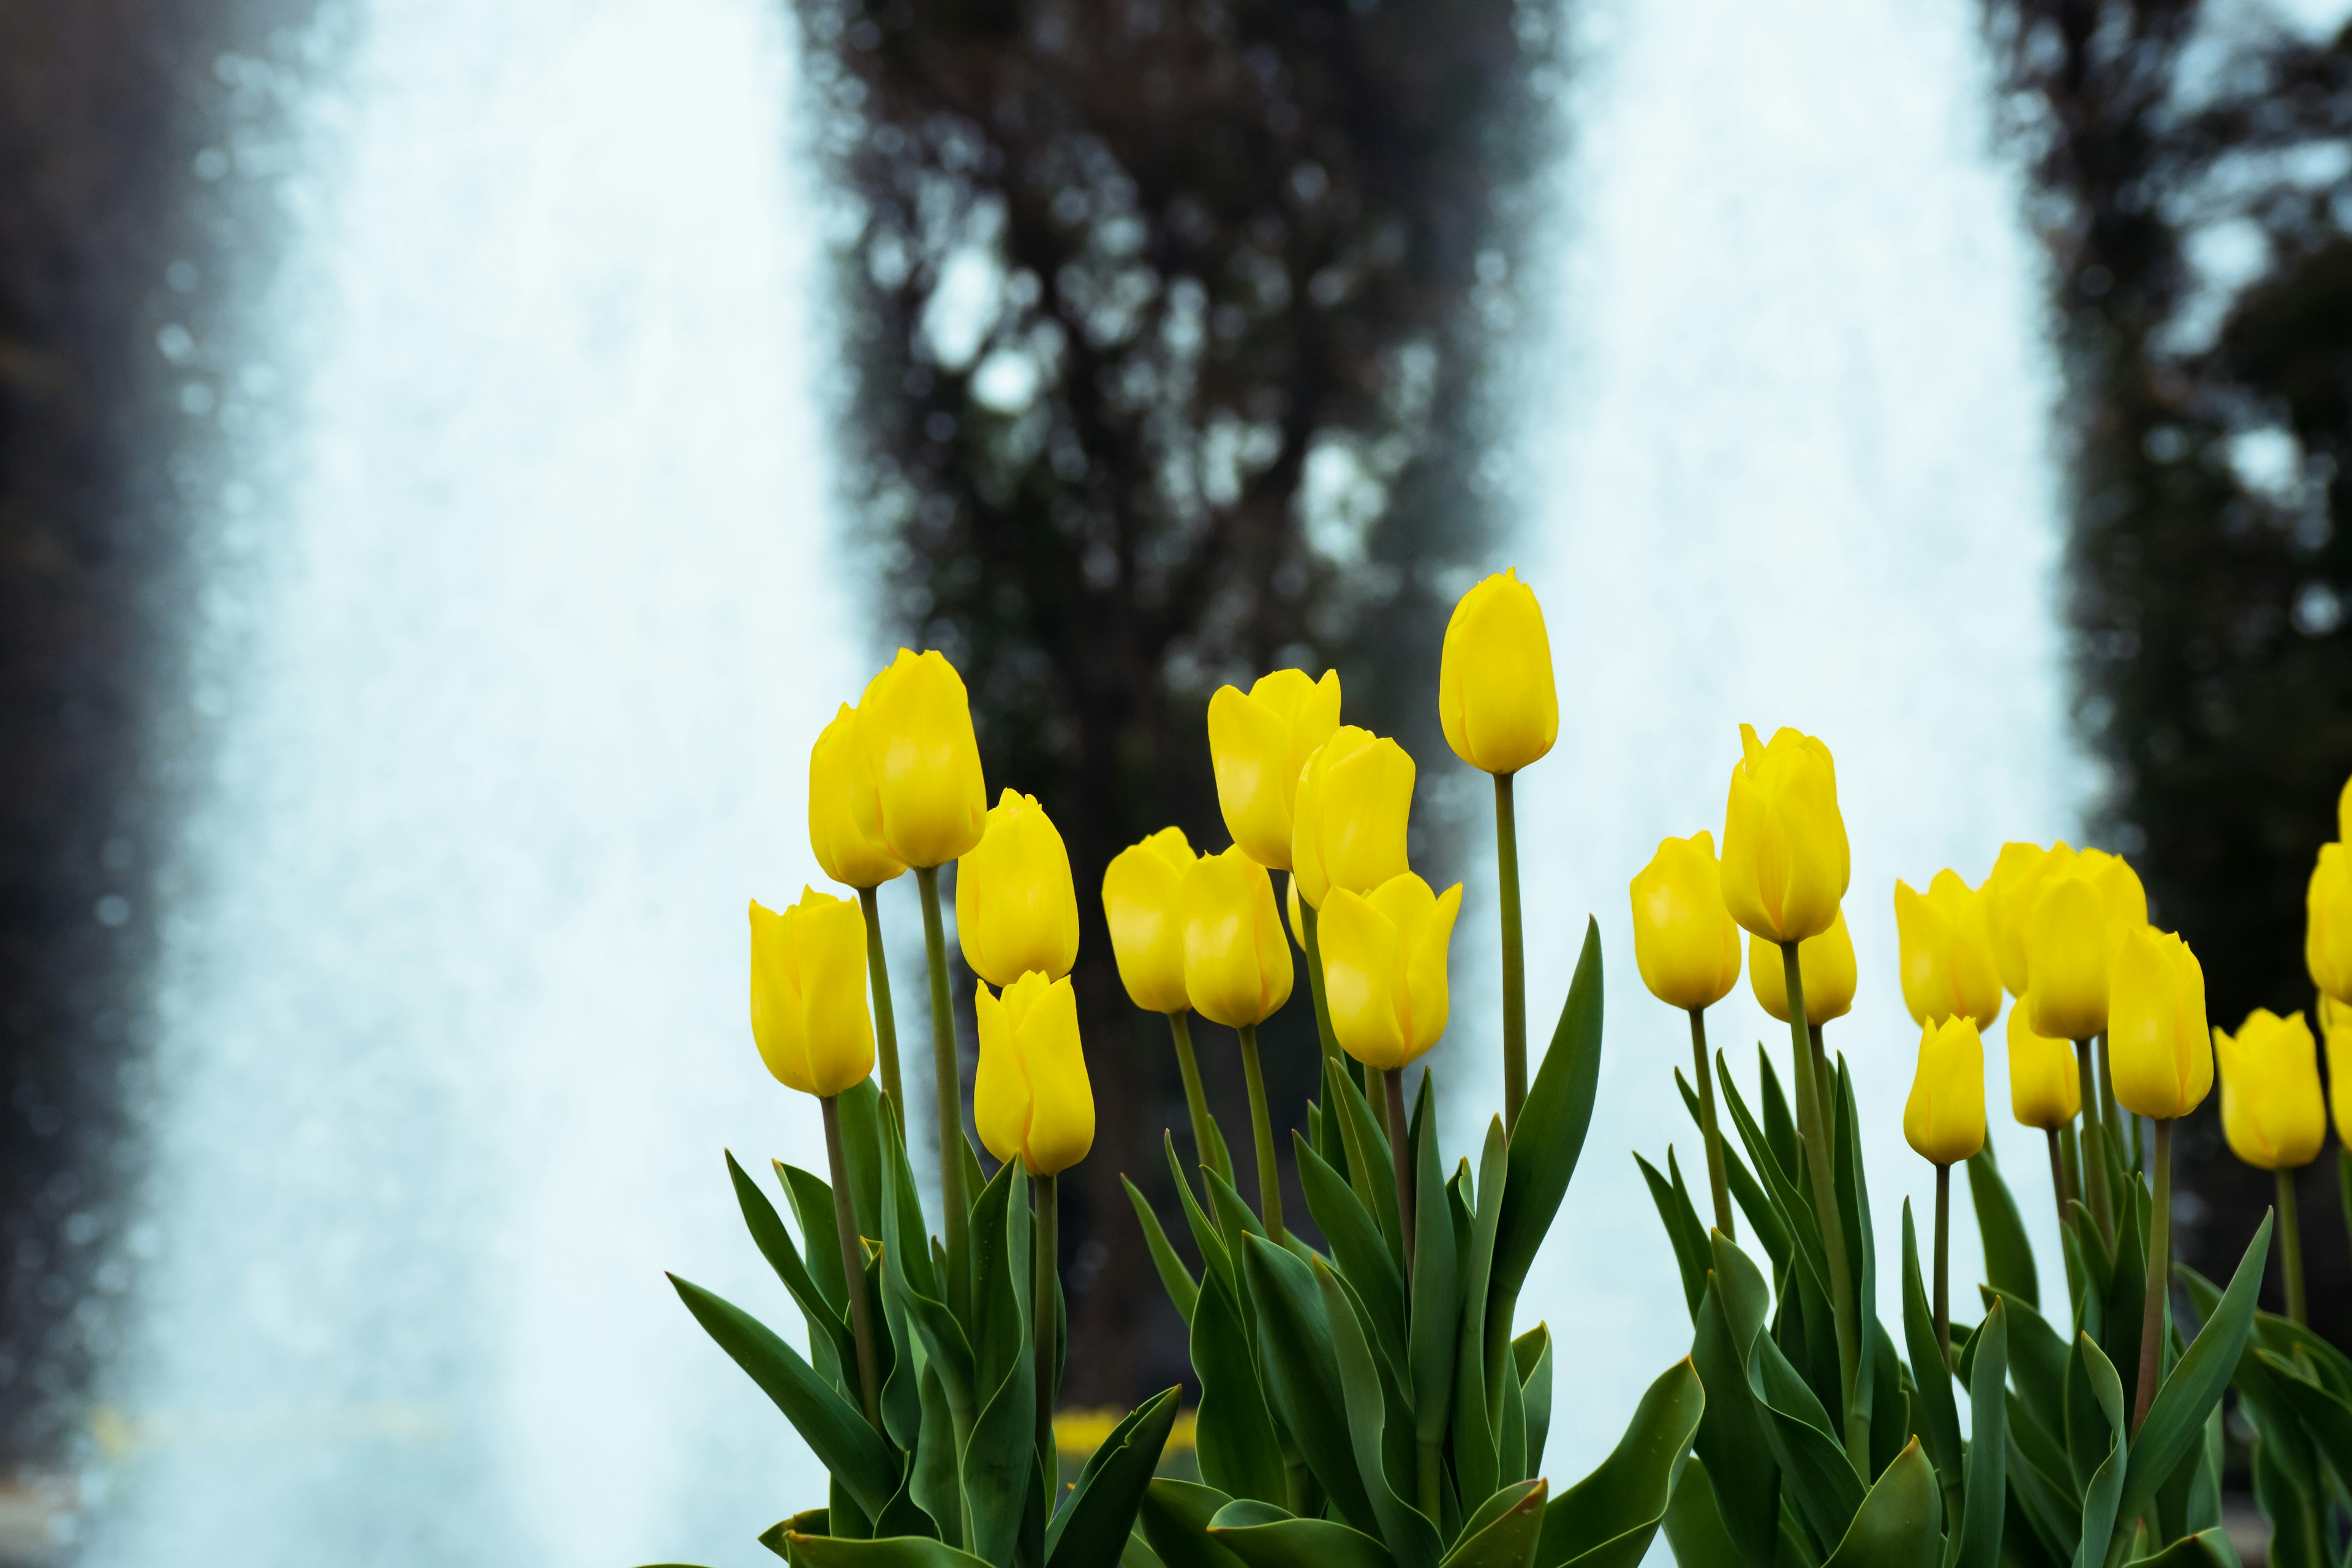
(454, 455)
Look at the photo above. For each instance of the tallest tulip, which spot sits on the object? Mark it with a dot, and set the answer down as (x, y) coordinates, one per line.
(1785, 865)
(916, 723)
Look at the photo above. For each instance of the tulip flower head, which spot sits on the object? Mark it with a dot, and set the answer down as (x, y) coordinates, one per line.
(1142, 895)
(2272, 1111)
(1016, 907)
(1943, 1119)
(1258, 743)
(1785, 865)
(1298, 921)
(2327, 929)
(846, 810)
(915, 721)
(1354, 798)
(1385, 968)
(1947, 948)
(2008, 895)
(1825, 963)
(2336, 1024)
(1236, 960)
(1496, 699)
(1684, 941)
(2045, 1085)
(808, 994)
(1030, 1099)
(2067, 958)
(2159, 1049)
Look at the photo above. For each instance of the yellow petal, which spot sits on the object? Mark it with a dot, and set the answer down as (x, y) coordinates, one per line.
(1237, 968)
(845, 809)
(2067, 941)
(2045, 1080)
(1943, 1119)
(1000, 1088)
(827, 938)
(1686, 943)
(915, 720)
(1016, 907)
(1425, 1002)
(1497, 699)
(779, 1025)
(1362, 962)
(2272, 1111)
(1142, 888)
(1061, 1100)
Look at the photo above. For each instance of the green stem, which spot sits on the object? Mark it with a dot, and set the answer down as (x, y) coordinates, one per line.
(1824, 1083)
(853, 1265)
(886, 1020)
(2290, 1228)
(2159, 1276)
(2111, 1116)
(1269, 1178)
(1514, 963)
(1715, 1182)
(1944, 1262)
(1047, 1244)
(1312, 920)
(1208, 1143)
(947, 1090)
(2095, 1158)
(1816, 1138)
(2058, 1190)
(1408, 1207)
(1428, 1476)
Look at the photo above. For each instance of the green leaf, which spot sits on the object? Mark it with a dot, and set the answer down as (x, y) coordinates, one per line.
(1794, 1209)
(997, 1463)
(1506, 1539)
(812, 1202)
(829, 1336)
(1745, 1190)
(1234, 1438)
(1302, 1374)
(1683, 1228)
(1696, 1532)
(2206, 1549)
(2037, 1368)
(861, 1151)
(892, 1551)
(1409, 1535)
(1780, 1126)
(1091, 1528)
(1174, 1277)
(1731, 1430)
(932, 1480)
(1608, 1519)
(1815, 1473)
(1174, 1517)
(1551, 1127)
(851, 1450)
(1895, 1525)
(1432, 1345)
(1938, 1414)
(2326, 1420)
(1531, 1353)
(2009, 1256)
(1266, 1543)
(809, 1521)
(1853, 1197)
(1358, 1247)
(1985, 1471)
(1215, 1257)
(1370, 1160)
(2103, 1491)
(1479, 1424)
(2298, 1540)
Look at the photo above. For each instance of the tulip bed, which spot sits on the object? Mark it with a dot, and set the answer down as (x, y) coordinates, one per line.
(1368, 1400)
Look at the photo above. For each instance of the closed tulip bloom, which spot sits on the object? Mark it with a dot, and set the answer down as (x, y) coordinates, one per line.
(1353, 801)
(2009, 893)
(2159, 1048)
(1258, 743)
(1385, 968)
(1943, 1119)
(1236, 960)
(1030, 1099)
(2335, 1023)
(1142, 894)
(1016, 908)
(2045, 1089)
(2066, 954)
(844, 808)
(1684, 941)
(1298, 921)
(2328, 922)
(1784, 853)
(1947, 953)
(1825, 964)
(808, 994)
(2272, 1111)
(1496, 700)
(2122, 903)
(915, 721)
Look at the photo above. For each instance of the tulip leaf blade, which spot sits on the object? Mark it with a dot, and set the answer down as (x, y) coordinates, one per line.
(1507, 1537)
(1984, 1469)
(1608, 1518)
(1174, 1517)
(1215, 1258)
(890, 1551)
(1684, 1230)
(1746, 1482)
(2102, 1490)
(1433, 1334)
(1240, 1453)
(2009, 1256)
(1939, 1413)
(1745, 1190)
(1409, 1535)
(1182, 1289)
(1302, 1374)
(1291, 1542)
(1696, 1532)
(1356, 1246)
(1090, 1530)
(2206, 1549)
(831, 1347)
(1815, 1472)
(1368, 1156)
(1895, 1526)
(1549, 1135)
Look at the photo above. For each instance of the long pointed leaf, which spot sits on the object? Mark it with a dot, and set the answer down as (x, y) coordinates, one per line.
(1090, 1530)
(1551, 1127)
(1608, 1518)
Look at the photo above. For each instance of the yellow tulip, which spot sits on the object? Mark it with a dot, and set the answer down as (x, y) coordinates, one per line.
(2045, 1085)
(1354, 798)
(2344, 814)
(2122, 903)
(2159, 1050)
(1684, 941)
(846, 810)
(1824, 962)
(1947, 951)
(915, 721)
(1142, 901)
(1257, 744)
(1496, 700)
(1784, 853)
(1236, 961)
(1943, 1119)
(1030, 1097)
(2009, 893)
(2272, 1111)
(808, 994)
(2335, 1022)
(1385, 968)
(1298, 921)
(2067, 956)
(1016, 907)
(2328, 922)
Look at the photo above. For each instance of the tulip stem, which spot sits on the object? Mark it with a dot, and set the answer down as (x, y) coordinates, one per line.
(1824, 1082)
(2159, 1276)
(2094, 1159)
(853, 1265)
(1208, 1143)
(1514, 963)
(1408, 1206)
(2291, 1248)
(886, 1020)
(1811, 1129)
(1944, 1262)
(2059, 1193)
(1310, 917)
(1269, 1179)
(1715, 1177)
(947, 1090)
(1047, 1243)
(2111, 1118)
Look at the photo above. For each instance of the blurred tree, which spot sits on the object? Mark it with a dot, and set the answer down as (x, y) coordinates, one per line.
(1169, 321)
(2194, 181)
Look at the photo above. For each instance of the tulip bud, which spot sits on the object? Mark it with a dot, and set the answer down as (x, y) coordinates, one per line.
(1947, 962)
(1298, 921)
(1684, 941)
(2335, 1024)
(1385, 968)
(1496, 700)
(1943, 1119)
(1258, 745)
(2272, 1111)
(808, 994)
(2045, 1085)
(844, 810)
(1143, 899)
(2328, 922)
(1236, 963)
(1030, 1097)
(2008, 893)
(1353, 800)
(915, 721)
(2066, 956)
(1824, 962)
(2159, 1050)
(1784, 853)
(1016, 908)
(2122, 903)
